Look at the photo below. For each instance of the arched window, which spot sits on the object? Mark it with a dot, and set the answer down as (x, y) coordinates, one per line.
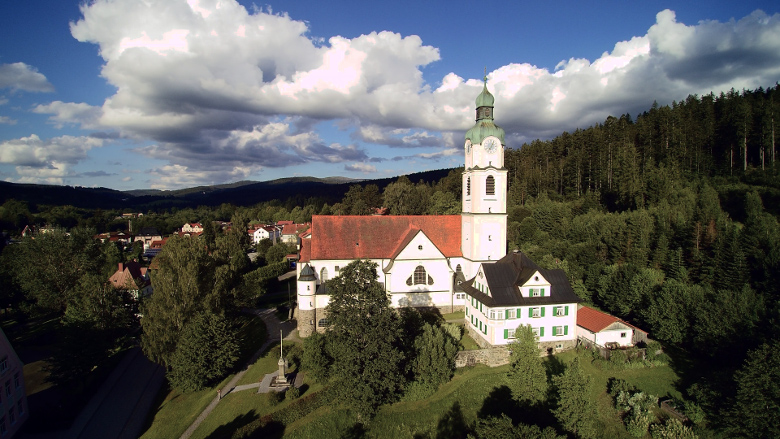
(323, 275)
(468, 186)
(490, 185)
(419, 277)
(459, 269)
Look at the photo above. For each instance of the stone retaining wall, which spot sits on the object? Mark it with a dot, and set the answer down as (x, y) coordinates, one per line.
(492, 357)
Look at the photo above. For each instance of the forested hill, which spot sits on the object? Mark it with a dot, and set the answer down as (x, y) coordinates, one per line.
(245, 193)
(628, 162)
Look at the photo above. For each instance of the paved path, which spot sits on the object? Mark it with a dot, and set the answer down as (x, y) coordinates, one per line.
(273, 326)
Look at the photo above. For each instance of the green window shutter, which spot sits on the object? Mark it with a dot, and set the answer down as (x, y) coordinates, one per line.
(542, 292)
(506, 334)
(519, 313)
(566, 330)
(555, 310)
(541, 331)
(506, 314)
(542, 311)
(554, 331)
(530, 312)
(566, 311)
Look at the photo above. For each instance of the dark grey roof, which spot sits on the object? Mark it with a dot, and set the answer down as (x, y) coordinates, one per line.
(458, 279)
(505, 277)
(307, 274)
(148, 231)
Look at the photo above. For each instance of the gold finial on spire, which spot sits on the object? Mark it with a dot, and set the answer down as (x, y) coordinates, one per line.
(485, 77)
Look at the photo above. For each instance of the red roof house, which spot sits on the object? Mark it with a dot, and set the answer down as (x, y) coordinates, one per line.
(601, 328)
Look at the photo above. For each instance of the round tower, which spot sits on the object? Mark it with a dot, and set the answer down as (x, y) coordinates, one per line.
(307, 309)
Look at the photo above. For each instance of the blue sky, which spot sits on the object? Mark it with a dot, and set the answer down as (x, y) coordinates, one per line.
(166, 94)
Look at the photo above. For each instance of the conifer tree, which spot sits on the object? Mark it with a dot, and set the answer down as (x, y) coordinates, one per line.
(574, 409)
(527, 377)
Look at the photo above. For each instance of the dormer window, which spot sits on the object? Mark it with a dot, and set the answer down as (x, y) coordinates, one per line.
(536, 292)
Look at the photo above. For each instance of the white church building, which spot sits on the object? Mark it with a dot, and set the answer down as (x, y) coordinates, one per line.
(451, 262)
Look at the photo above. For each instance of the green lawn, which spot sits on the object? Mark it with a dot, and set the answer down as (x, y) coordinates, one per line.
(454, 315)
(473, 392)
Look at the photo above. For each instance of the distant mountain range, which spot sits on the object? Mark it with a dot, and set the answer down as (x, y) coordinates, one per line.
(241, 193)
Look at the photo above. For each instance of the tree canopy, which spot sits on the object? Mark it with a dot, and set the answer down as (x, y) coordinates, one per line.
(364, 335)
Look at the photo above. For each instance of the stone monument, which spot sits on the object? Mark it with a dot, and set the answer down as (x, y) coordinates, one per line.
(280, 380)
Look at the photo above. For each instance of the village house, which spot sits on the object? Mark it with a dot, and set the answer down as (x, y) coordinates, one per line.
(607, 331)
(259, 232)
(13, 397)
(132, 278)
(147, 235)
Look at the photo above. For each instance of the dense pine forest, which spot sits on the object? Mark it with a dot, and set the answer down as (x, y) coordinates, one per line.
(669, 221)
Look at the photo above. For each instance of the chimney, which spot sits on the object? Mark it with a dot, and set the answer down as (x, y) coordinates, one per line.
(121, 267)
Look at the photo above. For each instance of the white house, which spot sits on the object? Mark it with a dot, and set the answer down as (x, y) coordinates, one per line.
(264, 232)
(514, 291)
(606, 330)
(424, 261)
(192, 228)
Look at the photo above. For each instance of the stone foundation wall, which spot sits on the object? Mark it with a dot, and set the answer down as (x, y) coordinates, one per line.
(306, 320)
(492, 357)
(551, 347)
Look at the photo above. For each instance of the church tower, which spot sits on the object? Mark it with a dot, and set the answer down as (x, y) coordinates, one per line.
(484, 218)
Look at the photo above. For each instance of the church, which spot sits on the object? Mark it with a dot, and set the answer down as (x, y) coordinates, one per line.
(451, 262)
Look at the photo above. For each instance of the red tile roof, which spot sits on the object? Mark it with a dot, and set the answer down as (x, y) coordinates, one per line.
(378, 237)
(595, 321)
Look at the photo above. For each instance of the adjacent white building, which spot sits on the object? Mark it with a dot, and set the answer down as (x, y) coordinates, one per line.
(606, 330)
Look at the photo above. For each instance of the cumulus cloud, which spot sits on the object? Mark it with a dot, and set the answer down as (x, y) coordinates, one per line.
(7, 120)
(361, 167)
(396, 137)
(20, 76)
(224, 92)
(63, 113)
(46, 161)
(36, 153)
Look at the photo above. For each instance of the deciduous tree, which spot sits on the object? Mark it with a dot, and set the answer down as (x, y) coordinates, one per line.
(363, 339)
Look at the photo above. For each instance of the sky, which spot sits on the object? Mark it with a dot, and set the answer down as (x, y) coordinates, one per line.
(167, 94)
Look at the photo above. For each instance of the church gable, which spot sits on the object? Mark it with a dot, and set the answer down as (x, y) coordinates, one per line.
(417, 246)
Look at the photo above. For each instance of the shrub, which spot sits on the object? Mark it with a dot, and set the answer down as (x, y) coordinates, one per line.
(694, 412)
(455, 331)
(618, 358)
(274, 398)
(672, 429)
(652, 350)
(292, 393)
(617, 385)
